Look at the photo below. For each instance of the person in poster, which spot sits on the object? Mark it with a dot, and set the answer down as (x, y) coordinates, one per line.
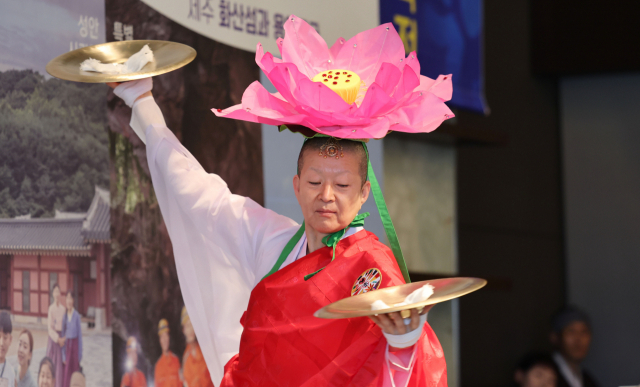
(167, 371)
(56, 340)
(7, 374)
(194, 367)
(78, 380)
(25, 353)
(72, 333)
(134, 377)
(46, 373)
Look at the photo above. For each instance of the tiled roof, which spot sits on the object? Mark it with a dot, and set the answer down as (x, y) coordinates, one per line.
(64, 234)
(41, 234)
(98, 221)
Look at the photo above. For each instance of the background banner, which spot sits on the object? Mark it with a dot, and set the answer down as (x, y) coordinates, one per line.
(447, 36)
(54, 197)
(245, 23)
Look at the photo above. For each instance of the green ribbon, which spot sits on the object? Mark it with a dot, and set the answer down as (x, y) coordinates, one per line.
(288, 248)
(333, 239)
(392, 237)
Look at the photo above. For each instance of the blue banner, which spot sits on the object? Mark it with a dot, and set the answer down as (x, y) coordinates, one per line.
(447, 36)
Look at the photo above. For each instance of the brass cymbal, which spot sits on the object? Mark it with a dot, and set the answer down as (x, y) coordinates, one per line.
(444, 289)
(169, 56)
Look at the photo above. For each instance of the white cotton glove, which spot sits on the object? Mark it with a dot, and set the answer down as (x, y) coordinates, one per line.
(130, 91)
(145, 111)
(408, 339)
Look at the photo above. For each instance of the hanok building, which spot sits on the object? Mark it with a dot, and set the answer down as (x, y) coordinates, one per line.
(71, 250)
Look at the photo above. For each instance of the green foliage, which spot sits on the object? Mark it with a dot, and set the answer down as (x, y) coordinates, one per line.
(53, 144)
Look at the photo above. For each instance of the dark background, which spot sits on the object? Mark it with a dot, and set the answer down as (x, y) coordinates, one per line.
(509, 172)
(510, 206)
(584, 37)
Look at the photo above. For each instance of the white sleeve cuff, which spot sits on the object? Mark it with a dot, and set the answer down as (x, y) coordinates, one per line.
(131, 90)
(145, 112)
(408, 339)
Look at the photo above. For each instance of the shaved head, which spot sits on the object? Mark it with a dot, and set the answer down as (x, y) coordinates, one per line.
(315, 147)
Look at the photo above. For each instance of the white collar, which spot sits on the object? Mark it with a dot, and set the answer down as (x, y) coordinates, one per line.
(572, 379)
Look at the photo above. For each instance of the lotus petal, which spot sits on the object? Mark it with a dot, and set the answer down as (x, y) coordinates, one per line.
(394, 96)
(304, 47)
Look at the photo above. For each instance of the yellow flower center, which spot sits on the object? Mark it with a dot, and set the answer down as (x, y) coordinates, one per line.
(344, 82)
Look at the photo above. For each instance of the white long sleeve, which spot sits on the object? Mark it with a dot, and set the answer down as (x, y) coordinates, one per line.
(145, 112)
(223, 243)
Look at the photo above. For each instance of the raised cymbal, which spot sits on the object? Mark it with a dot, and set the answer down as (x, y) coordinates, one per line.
(169, 56)
(444, 289)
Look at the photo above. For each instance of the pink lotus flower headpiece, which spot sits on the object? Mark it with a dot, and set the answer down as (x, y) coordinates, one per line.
(392, 95)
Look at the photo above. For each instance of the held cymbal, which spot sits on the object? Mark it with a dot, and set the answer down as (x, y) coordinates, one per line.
(168, 56)
(444, 289)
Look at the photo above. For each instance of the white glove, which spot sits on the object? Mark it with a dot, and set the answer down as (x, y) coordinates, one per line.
(130, 91)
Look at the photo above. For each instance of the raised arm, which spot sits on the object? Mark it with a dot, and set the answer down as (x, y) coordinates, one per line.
(205, 197)
(222, 242)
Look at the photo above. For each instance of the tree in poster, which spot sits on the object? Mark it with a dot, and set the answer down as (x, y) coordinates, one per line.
(54, 144)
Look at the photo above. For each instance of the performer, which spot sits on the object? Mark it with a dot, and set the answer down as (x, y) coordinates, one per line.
(234, 256)
(194, 367)
(72, 333)
(167, 371)
(134, 377)
(55, 342)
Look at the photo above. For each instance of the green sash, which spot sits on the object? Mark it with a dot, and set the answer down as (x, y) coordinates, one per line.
(332, 240)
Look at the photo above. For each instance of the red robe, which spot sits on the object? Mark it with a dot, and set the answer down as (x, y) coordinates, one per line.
(284, 345)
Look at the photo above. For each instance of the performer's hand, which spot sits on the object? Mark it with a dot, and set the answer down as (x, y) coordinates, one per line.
(113, 85)
(393, 323)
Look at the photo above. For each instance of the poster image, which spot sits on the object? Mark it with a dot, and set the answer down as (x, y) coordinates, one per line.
(154, 343)
(54, 200)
